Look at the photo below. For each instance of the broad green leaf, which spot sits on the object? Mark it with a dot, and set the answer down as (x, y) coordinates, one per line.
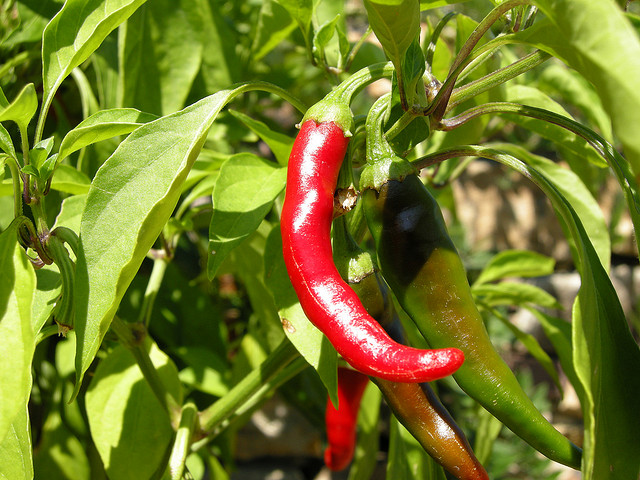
(23, 107)
(34, 16)
(17, 285)
(364, 458)
(279, 143)
(71, 212)
(604, 351)
(15, 449)
(407, 458)
(242, 196)
(429, 4)
(69, 180)
(325, 32)
(130, 200)
(205, 371)
(130, 428)
(516, 263)
(274, 25)
(6, 143)
(161, 55)
(581, 200)
(598, 41)
(300, 10)
(220, 63)
(512, 293)
(60, 454)
(101, 126)
(577, 91)
(74, 34)
(396, 24)
(307, 339)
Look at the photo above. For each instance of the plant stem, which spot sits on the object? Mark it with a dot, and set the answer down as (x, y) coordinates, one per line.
(46, 332)
(184, 436)
(356, 48)
(498, 77)
(149, 371)
(212, 417)
(401, 124)
(439, 105)
(291, 370)
(150, 294)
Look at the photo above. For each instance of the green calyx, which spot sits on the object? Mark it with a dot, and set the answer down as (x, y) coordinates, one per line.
(383, 164)
(332, 110)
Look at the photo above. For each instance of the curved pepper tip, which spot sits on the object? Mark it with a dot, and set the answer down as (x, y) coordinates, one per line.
(337, 460)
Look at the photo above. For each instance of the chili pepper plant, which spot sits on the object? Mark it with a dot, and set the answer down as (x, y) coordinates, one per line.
(209, 205)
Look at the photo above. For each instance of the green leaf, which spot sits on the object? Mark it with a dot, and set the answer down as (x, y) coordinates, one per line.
(220, 64)
(205, 371)
(17, 285)
(161, 55)
(130, 429)
(242, 196)
(512, 293)
(279, 143)
(487, 431)
(60, 454)
(324, 33)
(101, 126)
(598, 41)
(581, 200)
(604, 352)
(6, 143)
(307, 339)
(69, 180)
(71, 212)
(558, 331)
(74, 34)
(130, 200)
(274, 25)
(407, 458)
(516, 263)
(429, 4)
(396, 24)
(364, 459)
(300, 10)
(23, 107)
(577, 91)
(15, 449)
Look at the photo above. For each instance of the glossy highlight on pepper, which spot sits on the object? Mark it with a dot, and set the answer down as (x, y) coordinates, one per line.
(329, 303)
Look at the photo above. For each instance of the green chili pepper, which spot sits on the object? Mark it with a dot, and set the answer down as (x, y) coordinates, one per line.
(421, 265)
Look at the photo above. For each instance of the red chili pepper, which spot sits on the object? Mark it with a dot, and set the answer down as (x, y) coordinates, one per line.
(329, 303)
(341, 422)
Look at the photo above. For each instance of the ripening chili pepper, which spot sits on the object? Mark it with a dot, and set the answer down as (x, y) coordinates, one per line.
(415, 405)
(421, 266)
(341, 422)
(326, 299)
